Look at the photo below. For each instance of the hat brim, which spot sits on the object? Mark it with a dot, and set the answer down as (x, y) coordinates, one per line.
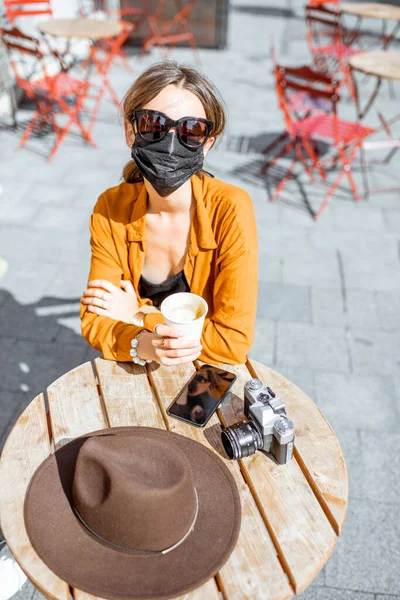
(84, 562)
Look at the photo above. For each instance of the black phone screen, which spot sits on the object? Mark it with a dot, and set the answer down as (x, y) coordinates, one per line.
(201, 396)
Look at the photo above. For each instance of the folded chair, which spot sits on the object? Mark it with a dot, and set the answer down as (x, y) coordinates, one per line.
(53, 94)
(166, 31)
(130, 16)
(26, 8)
(330, 44)
(133, 16)
(304, 131)
(102, 57)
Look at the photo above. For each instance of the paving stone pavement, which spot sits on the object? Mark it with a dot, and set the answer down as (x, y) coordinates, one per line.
(329, 299)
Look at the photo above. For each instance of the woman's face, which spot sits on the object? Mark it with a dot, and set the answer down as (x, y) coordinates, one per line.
(176, 103)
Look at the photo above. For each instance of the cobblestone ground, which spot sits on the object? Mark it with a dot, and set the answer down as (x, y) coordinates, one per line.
(329, 301)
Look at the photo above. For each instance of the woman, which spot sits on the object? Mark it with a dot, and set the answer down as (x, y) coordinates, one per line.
(171, 227)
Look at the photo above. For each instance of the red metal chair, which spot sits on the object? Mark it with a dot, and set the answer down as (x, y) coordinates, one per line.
(329, 43)
(26, 8)
(134, 16)
(102, 57)
(53, 94)
(169, 31)
(303, 132)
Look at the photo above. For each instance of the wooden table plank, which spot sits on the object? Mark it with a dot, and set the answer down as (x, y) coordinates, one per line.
(75, 406)
(253, 570)
(208, 591)
(317, 448)
(373, 10)
(380, 63)
(127, 395)
(26, 448)
(296, 522)
(92, 29)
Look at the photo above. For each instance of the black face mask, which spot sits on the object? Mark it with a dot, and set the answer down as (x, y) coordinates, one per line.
(166, 164)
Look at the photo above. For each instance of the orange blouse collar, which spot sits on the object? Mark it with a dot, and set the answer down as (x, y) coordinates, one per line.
(202, 235)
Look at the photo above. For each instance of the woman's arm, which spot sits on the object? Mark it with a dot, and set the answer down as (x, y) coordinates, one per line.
(229, 334)
(113, 338)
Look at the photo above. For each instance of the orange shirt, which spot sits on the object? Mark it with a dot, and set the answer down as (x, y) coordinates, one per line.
(220, 266)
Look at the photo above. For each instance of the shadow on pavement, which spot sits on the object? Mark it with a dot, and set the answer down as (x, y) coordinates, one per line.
(265, 11)
(39, 342)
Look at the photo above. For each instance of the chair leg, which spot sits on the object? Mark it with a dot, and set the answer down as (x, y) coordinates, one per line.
(270, 147)
(112, 92)
(76, 119)
(300, 157)
(313, 155)
(29, 129)
(347, 162)
(269, 164)
(288, 175)
(124, 61)
(59, 138)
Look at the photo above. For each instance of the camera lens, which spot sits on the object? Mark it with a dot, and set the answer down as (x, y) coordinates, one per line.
(241, 439)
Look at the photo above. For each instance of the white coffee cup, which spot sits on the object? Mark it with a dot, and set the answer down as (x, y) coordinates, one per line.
(185, 312)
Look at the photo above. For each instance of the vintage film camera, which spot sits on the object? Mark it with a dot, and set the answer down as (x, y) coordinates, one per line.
(267, 428)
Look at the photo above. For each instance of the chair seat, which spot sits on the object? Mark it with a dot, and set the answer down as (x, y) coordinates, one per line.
(322, 126)
(336, 49)
(60, 85)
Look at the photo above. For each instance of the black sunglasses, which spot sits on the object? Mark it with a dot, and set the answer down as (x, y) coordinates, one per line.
(153, 126)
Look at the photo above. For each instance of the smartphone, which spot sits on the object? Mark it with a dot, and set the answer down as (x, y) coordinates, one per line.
(201, 396)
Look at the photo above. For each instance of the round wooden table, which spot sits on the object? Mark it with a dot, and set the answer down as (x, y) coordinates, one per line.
(90, 29)
(291, 514)
(381, 64)
(372, 10)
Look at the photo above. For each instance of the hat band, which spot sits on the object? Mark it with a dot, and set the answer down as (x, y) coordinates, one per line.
(135, 550)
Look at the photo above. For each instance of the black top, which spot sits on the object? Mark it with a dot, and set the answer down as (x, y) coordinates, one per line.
(158, 291)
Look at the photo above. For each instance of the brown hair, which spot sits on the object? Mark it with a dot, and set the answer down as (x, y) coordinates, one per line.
(156, 78)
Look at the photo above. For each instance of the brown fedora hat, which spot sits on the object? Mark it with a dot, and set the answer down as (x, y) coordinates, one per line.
(133, 512)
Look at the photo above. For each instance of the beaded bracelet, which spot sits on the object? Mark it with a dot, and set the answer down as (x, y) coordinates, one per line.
(133, 351)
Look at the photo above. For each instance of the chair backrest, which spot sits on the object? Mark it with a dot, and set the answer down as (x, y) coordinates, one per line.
(24, 54)
(183, 9)
(322, 26)
(322, 2)
(26, 8)
(320, 89)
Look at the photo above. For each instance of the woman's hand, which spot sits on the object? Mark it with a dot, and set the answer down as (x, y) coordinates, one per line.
(166, 347)
(105, 299)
